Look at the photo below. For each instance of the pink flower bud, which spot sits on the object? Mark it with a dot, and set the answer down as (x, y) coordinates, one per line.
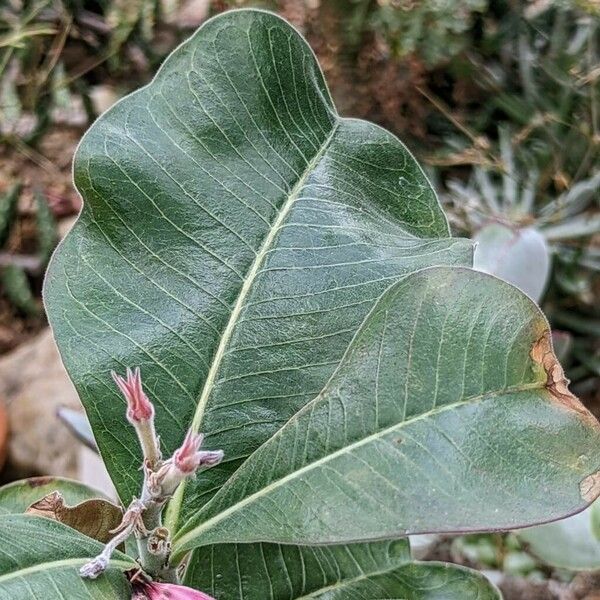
(189, 458)
(150, 590)
(139, 407)
(185, 462)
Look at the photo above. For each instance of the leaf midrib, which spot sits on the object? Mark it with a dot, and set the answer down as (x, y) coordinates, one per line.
(56, 564)
(174, 507)
(207, 525)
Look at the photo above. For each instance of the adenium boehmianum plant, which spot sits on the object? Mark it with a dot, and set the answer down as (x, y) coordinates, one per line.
(161, 478)
(255, 269)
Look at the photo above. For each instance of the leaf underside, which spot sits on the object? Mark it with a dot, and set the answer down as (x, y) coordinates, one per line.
(42, 560)
(96, 518)
(18, 496)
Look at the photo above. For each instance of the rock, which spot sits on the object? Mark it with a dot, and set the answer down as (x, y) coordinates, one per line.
(586, 586)
(519, 588)
(103, 97)
(65, 225)
(33, 385)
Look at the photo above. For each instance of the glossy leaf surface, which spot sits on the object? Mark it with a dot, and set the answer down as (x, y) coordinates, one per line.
(41, 558)
(448, 413)
(235, 233)
(354, 572)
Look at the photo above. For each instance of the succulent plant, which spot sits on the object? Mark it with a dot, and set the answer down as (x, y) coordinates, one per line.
(516, 230)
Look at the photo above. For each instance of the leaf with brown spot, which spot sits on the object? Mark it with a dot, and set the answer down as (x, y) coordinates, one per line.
(557, 384)
(459, 365)
(17, 496)
(95, 518)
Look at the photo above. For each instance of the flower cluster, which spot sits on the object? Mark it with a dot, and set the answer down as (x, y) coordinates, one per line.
(143, 516)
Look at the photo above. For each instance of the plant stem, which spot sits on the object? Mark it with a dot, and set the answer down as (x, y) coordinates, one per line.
(154, 545)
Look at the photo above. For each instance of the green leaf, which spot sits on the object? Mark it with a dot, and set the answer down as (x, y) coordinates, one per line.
(377, 570)
(47, 232)
(235, 233)
(78, 424)
(578, 226)
(567, 544)
(64, 500)
(41, 558)
(448, 413)
(15, 284)
(8, 211)
(18, 496)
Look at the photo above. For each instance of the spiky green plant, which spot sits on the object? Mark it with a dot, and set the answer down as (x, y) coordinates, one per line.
(16, 271)
(435, 30)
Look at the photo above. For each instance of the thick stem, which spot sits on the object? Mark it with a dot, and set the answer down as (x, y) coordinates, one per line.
(128, 525)
(154, 546)
(157, 554)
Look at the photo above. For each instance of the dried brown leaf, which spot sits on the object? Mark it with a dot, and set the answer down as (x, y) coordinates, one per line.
(94, 518)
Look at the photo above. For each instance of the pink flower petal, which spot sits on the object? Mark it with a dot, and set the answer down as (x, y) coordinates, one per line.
(143, 590)
(139, 407)
(186, 457)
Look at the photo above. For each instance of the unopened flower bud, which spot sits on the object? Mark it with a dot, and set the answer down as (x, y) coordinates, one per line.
(185, 462)
(140, 413)
(185, 457)
(189, 458)
(139, 407)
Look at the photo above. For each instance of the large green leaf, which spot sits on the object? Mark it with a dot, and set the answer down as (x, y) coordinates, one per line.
(16, 497)
(355, 572)
(235, 233)
(41, 558)
(449, 412)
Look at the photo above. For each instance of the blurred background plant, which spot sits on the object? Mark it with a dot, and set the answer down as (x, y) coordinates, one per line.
(16, 269)
(499, 99)
(531, 195)
(434, 30)
(62, 63)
